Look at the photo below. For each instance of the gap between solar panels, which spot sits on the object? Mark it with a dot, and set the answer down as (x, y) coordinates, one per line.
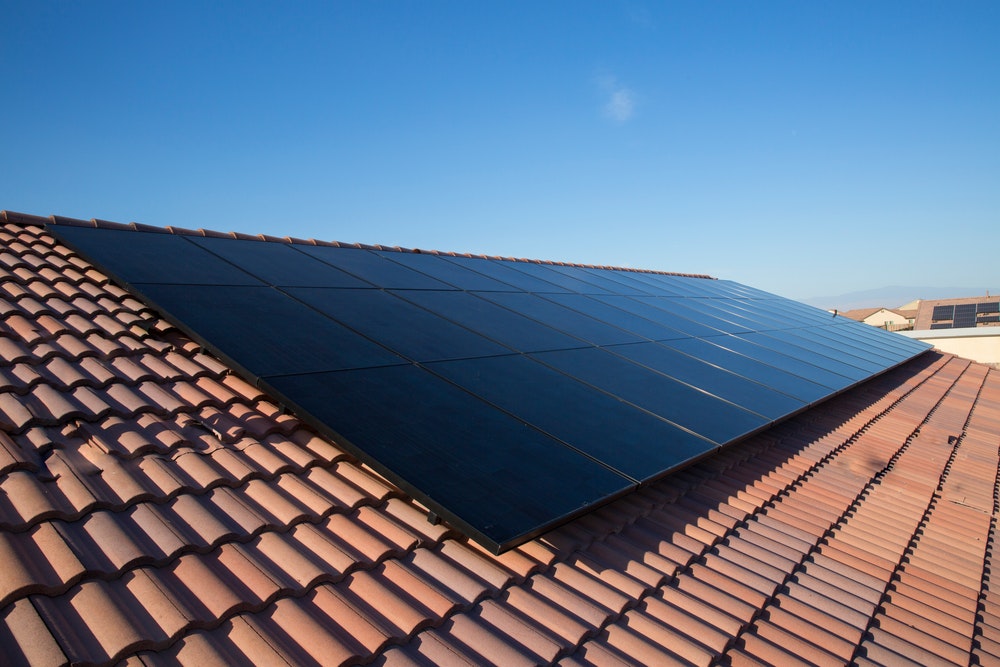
(509, 397)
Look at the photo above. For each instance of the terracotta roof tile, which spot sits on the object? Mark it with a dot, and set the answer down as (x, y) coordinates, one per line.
(957, 636)
(425, 649)
(26, 638)
(156, 506)
(828, 601)
(887, 648)
(322, 627)
(940, 581)
(799, 642)
(362, 542)
(555, 621)
(615, 555)
(521, 631)
(945, 606)
(819, 628)
(694, 620)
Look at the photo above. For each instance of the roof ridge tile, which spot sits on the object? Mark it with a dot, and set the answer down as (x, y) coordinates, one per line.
(182, 231)
(26, 219)
(213, 234)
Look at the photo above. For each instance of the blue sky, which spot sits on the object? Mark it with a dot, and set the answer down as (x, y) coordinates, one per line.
(804, 148)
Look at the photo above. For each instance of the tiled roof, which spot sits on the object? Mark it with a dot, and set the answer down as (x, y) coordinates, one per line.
(155, 508)
(860, 314)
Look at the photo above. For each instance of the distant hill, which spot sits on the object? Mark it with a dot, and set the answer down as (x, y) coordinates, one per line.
(893, 296)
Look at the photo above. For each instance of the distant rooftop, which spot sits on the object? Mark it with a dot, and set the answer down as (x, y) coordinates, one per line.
(960, 313)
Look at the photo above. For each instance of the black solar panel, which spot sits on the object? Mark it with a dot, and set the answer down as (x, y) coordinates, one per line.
(943, 313)
(507, 396)
(989, 307)
(946, 325)
(965, 316)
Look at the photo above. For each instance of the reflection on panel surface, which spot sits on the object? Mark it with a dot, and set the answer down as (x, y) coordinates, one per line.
(652, 390)
(640, 444)
(280, 264)
(507, 396)
(413, 332)
(265, 331)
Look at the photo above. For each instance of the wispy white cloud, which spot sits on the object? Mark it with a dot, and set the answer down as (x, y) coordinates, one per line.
(621, 106)
(640, 16)
(619, 100)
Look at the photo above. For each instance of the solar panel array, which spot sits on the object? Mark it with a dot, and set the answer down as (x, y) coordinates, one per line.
(964, 315)
(507, 396)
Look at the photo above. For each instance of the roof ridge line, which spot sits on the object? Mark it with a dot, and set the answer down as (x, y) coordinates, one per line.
(27, 219)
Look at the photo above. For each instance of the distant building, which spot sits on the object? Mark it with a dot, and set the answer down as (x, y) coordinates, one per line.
(883, 318)
(963, 313)
(968, 327)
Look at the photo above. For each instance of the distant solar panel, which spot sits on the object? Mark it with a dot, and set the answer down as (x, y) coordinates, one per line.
(965, 316)
(507, 396)
(988, 307)
(943, 313)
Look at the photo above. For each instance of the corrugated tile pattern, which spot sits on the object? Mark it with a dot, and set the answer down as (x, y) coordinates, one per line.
(156, 509)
